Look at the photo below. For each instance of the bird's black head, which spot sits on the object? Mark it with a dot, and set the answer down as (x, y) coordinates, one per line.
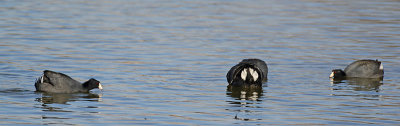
(247, 75)
(337, 73)
(92, 83)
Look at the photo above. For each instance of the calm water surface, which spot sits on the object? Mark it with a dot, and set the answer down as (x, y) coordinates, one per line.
(164, 62)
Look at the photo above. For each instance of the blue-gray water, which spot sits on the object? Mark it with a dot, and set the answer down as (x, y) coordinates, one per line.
(164, 62)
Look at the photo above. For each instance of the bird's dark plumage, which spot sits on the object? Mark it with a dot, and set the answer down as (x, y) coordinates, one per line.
(54, 82)
(247, 72)
(360, 69)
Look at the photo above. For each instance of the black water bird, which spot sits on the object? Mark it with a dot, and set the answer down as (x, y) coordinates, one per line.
(248, 72)
(361, 69)
(54, 82)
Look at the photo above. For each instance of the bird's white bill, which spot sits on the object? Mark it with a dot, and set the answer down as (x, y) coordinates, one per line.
(100, 87)
(381, 67)
(330, 76)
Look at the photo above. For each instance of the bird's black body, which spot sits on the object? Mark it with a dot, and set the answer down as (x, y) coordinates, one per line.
(54, 82)
(360, 69)
(248, 72)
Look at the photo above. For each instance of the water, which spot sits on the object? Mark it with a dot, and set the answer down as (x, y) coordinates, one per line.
(164, 62)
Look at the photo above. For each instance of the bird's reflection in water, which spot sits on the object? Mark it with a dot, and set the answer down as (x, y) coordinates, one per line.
(358, 84)
(50, 98)
(364, 88)
(252, 92)
(54, 103)
(245, 102)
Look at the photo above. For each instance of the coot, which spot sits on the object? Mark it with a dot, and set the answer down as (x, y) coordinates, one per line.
(55, 82)
(248, 72)
(361, 69)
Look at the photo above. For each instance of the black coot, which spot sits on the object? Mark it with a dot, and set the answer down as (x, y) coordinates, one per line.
(248, 72)
(55, 82)
(361, 69)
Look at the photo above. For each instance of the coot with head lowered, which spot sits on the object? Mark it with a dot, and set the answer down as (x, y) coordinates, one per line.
(360, 69)
(54, 82)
